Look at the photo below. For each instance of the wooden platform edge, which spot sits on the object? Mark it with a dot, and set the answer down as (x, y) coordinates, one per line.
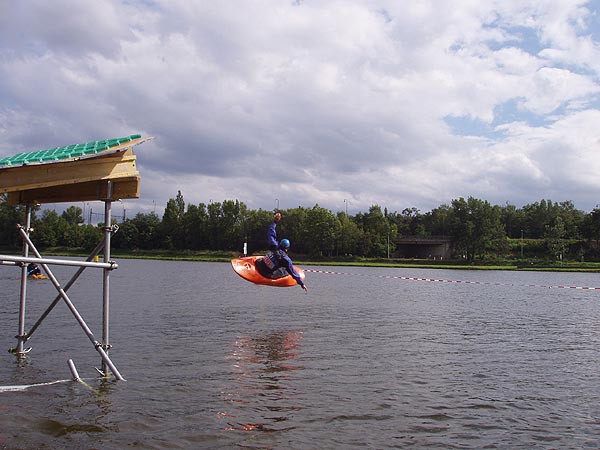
(76, 179)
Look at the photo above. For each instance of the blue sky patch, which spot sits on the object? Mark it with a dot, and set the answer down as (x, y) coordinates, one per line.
(525, 38)
(507, 112)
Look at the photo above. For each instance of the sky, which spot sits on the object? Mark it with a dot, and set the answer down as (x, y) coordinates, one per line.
(344, 104)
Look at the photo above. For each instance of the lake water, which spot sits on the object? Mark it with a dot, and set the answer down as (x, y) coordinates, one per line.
(360, 361)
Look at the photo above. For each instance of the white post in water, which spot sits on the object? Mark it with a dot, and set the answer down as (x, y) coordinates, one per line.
(106, 278)
(21, 333)
(245, 249)
(73, 370)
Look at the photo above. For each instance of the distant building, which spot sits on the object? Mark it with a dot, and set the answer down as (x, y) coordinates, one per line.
(423, 247)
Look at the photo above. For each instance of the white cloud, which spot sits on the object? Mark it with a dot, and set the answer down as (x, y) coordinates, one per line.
(313, 102)
(550, 88)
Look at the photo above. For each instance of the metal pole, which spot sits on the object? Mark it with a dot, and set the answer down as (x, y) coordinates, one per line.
(21, 334)
(106, 278)
(73, 370)
(67, 300)
(59, 262)
(9, 263)
(388, 246)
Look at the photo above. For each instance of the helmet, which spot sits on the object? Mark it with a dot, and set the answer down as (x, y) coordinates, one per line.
(284, 243)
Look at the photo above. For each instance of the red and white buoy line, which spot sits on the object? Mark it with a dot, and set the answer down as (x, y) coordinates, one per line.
(441, 280)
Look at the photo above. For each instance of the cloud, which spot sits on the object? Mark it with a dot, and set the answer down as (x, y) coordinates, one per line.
(312, 102)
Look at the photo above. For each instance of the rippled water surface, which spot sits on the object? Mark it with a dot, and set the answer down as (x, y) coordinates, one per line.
(364, 360)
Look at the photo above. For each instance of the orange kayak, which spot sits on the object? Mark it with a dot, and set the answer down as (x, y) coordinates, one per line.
(245, 268)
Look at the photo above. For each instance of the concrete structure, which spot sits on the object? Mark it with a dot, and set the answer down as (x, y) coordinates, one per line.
(423, 247)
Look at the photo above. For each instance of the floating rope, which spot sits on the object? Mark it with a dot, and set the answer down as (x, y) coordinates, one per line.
(441, 280)
(27, 386)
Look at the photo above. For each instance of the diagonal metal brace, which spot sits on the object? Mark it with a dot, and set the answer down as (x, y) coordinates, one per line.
(70, 283)
(72, 308)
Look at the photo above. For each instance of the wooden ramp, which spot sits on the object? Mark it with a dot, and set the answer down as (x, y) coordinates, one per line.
(74, 173)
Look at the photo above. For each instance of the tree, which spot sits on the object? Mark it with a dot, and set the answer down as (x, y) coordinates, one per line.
(172, 223)
(91, 236)
(195, 226)
(215, 219)
(591, 226)
(232, 222)
(127, 236)
(513, 220)
(255, 229)
(554, 238)
(141, 232)
(321, 232)
(439, 221)
(349, 235)
(572, 218)
(71, 236)
(476, 228)
(10, 216)
(73, 215)
(293, 226)
(48, 231)
(376, 230)
(409, 222)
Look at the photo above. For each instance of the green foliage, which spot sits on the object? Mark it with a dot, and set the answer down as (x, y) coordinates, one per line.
(173, 223)
(555, 238)
(478, 230)
(378, 230)
(323, 228)
(438, 222)
(73, 215)
(10, 216)
(349, 235)
(538, 216)
(590, 228)
(292, 227)
(49, 229)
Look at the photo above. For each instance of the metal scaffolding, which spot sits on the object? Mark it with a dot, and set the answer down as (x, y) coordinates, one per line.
(103, 346)
(102, 170)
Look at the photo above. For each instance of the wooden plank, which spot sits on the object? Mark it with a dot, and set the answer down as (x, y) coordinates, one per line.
(80, 192)
(103, 167)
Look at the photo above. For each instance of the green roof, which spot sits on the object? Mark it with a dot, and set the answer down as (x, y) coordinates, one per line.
(66, 152)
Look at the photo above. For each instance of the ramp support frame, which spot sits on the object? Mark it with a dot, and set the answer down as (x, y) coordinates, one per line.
(104, 245)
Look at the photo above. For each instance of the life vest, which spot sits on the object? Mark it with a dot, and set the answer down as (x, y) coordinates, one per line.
(270, 260)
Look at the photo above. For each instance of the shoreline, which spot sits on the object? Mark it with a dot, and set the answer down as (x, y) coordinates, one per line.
(303, 260)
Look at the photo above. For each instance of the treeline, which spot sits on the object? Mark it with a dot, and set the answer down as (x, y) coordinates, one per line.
(478, 230)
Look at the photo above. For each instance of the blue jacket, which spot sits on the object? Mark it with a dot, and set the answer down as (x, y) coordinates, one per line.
(281, 259)
(272, 236)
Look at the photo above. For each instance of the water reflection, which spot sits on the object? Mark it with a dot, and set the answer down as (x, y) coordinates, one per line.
(262, 395)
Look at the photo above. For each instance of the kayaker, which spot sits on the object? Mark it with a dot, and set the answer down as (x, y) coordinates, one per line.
(33, 270)
(276, 263)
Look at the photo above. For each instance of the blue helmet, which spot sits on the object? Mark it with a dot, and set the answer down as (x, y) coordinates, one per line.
(284, 243)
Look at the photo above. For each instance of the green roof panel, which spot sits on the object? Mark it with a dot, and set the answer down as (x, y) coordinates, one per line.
(66, 152)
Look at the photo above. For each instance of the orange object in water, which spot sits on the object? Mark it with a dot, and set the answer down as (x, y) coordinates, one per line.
(38, 276)
(246, 268)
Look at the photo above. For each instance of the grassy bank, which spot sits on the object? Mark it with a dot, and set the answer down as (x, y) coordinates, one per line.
(222, 256)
